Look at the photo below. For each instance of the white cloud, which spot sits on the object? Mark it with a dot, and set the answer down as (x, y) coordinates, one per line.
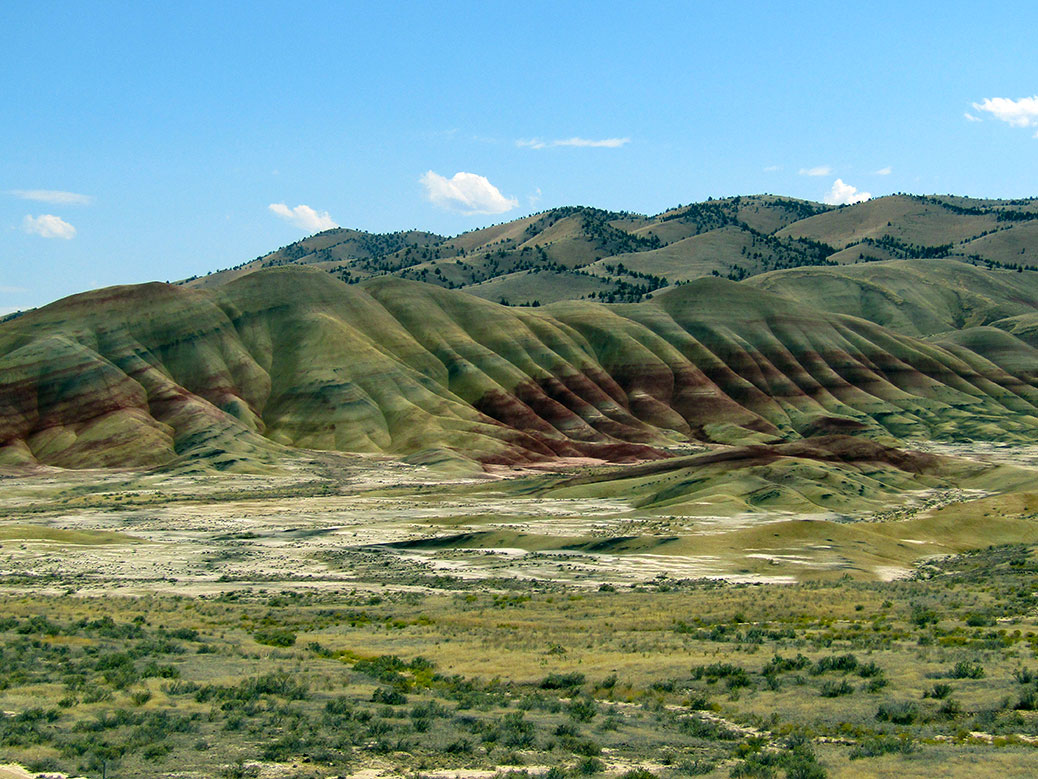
(972, 118)
(587, 143)
(844, 194)
(772, 168)
(821, 170)
(466, 192)
(1015, 113)
(885, 171)
(534, 197)
(12, 290)
(53, 196)
(48, 226)
(304, 217)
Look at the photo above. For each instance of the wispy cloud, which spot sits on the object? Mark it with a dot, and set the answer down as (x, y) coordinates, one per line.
(48, 226)
(55, 196)
(885, 171)
(772, 168)
(821, 170)
(468, 193)
(12, 290)
(304, 217)
(535, 197)
(576, 141)
(1015, 113)
(970, 117)
(843, 194)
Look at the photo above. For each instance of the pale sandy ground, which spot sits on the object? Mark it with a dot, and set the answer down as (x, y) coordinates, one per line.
(11, 771)
(216, 532)
(983, 451)
(212, 547)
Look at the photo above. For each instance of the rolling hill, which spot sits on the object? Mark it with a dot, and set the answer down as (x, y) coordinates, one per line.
(291, 357)
(916, 297)
(587, 253)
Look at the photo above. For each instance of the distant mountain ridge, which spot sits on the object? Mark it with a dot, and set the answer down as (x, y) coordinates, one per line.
(587, 253)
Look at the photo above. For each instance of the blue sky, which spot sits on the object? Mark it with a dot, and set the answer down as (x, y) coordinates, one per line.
(143, 141)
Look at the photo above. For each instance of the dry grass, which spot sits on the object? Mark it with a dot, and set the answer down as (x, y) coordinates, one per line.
(656, 660)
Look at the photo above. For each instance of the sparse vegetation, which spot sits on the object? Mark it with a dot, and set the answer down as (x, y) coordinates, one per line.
(141, 684)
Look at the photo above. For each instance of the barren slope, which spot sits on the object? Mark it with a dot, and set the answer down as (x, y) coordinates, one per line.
(292, 357)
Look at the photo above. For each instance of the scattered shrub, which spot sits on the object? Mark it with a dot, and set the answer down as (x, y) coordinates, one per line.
(967, 670)
(1028, 701)
(583, 709)
(565, 681)
(589, 766)
(836, 689)
(281, 637)
(903, 713)
(877, 746)
(388, 696)
(841, 663)
(939, 691)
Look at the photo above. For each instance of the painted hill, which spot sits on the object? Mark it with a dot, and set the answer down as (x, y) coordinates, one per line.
(836, 475)
(916, 297)
(286, 357)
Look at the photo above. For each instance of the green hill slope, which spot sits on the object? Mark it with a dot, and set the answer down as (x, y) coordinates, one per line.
(837, 475)
(918, 297)
(292, 357)
(577, 252)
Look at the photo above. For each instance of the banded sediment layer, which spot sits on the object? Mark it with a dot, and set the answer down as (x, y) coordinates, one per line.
(291, 357)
